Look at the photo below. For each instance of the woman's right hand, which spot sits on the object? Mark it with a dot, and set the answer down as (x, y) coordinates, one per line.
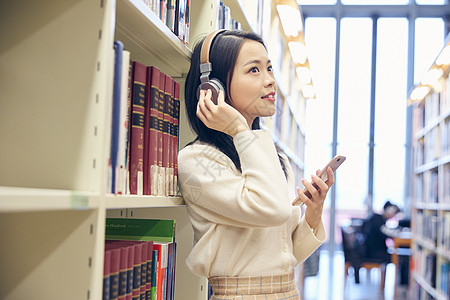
(221, 117)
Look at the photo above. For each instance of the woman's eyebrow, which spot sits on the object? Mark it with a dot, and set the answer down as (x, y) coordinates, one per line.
(256, 61)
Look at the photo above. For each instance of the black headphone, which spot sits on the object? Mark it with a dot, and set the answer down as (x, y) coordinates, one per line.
(206, 83)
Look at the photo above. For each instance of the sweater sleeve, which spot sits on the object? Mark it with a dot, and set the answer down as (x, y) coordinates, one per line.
(218, 192)
(306, 240)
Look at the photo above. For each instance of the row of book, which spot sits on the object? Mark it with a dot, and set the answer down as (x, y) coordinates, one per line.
(434, 104)
(140, 259)
(224, 20)
(175, 14)
(425, 265)
(144, 130)
(427, 187)
(426, 226)
(445, 279)
(443, 241)
(143, 270)
(434, 144)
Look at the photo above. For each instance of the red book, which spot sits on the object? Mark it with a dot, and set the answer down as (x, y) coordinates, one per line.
(168, 92)
(123, 273)
(176, 121)
(128, 249)
(137, 272)
(137, 129)
(151, 130)
(114, 274)
(106, 273)
(143, 286)
(122, 261)
(160, 180)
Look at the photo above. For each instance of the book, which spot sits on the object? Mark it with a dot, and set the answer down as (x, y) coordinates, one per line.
(114, 274)
(153, 291)
(136, 293)
(117, 83)
(163, 10)
(137, 129)
(106, 274)
(122, 159)
(162, 248)
(151, 125)
(156, 230)
(143, 285)
(170, 282)
(170, 19)
(152, 239)
(180, 9)
(187, 20)
(149, 271)
(167, 124)
(175, 134)
(160, 112)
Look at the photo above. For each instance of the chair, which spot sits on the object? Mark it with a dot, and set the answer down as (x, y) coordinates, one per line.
(353, 243)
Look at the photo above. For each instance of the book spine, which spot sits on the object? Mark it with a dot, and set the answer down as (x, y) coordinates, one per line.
(118, 49)
(123, 126)
(153, 291)
(176, 121)
(114, 278)
(170, 22)
(167, 120)
(137, 129)
(123, 273)
(128, 125)
(130, 272)
(161, 173)
(137, 272)
(187, 21)
(151, 163)
(163, 10)
(162, 268)
(149, 270)
(106, 274)
(143, 285)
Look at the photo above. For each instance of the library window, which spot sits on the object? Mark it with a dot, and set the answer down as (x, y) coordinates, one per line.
(364, 63)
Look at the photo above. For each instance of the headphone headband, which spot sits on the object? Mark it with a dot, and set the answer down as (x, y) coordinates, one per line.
(204, 54)
(206, 68)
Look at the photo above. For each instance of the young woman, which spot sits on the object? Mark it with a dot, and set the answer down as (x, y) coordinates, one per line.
(238, 189)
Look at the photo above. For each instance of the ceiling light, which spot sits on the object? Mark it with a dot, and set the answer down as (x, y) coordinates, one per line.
(290, 20)
(298, 52)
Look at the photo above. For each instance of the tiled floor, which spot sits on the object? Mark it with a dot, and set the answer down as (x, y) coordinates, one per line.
(330, 283)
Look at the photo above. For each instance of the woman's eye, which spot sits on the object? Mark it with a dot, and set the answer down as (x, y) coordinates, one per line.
(254, 70)
(270, 69)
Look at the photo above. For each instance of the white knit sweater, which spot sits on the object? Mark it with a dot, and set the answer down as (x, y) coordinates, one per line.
(244, 223)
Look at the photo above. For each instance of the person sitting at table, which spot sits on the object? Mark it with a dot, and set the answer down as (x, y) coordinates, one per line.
(376, 232)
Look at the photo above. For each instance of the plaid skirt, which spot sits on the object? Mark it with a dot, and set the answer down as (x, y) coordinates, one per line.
(268, 287)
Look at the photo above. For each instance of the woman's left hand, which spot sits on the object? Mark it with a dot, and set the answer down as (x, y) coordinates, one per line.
(314, 206)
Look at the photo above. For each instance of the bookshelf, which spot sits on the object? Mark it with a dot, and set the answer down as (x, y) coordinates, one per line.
(431, 182)
(56, 84)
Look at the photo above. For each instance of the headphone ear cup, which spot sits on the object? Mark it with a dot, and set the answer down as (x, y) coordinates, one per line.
(214, 85)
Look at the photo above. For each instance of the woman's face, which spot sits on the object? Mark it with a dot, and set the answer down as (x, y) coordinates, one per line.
(253, 86)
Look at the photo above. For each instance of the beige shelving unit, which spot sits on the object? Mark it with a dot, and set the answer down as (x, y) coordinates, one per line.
(56, 78)
(431, 182)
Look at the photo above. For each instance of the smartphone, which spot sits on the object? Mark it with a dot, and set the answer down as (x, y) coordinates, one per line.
(334, 164)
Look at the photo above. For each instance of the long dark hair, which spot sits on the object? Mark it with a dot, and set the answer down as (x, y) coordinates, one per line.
(223, 54)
